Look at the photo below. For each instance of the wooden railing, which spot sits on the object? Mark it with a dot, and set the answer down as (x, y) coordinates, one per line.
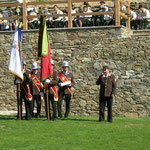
(69, 3)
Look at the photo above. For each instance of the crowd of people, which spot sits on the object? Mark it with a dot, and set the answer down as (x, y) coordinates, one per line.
(139, 19)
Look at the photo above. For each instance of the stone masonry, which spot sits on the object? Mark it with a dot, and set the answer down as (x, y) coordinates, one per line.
(87, 50)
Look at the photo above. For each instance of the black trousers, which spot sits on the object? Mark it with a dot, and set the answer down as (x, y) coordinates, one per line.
(36, 98)
(52, 102)
(28, 107)
(102, 104)
(67, 101)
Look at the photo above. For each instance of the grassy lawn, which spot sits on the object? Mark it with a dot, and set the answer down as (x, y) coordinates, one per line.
(75, 133)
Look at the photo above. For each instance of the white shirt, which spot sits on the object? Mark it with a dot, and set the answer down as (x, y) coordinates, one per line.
(20, 1)
(133, 14)
(88, 11)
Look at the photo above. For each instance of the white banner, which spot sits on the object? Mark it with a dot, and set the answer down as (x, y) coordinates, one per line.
(14, 64)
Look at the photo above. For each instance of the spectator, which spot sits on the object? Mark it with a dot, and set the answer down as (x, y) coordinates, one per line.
(57, 20)
(143, 17)
(133, 17)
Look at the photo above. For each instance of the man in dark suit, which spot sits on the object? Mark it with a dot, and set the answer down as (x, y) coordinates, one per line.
(107, 92)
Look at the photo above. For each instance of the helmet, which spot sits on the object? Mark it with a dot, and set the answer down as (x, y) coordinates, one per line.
(65, 64)
(34, 65)
(52, 61)
(23, 62)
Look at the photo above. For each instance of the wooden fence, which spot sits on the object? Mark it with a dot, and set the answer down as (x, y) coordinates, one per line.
(69, 3)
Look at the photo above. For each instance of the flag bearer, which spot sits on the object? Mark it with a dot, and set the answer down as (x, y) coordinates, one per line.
(24, 93)
(51, 85)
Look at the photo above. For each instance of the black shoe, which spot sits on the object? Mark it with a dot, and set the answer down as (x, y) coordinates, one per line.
(54, 119)
(100, 120)
(38, 116)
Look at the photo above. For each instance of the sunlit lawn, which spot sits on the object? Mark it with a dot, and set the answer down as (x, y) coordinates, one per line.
(74, 133)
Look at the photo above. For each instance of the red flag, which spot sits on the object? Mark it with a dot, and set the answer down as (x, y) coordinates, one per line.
(46, 66)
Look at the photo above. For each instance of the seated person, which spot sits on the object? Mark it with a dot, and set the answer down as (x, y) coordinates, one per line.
(133, 17)
(123, 10)
(143, 17)
(101, 19)
(57, 20)
(33, 23)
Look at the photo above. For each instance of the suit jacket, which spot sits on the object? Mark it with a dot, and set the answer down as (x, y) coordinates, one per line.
(108, 85)
(64, 89)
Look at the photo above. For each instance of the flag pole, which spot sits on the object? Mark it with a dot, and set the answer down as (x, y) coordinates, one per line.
(47, 101)
(19, 89)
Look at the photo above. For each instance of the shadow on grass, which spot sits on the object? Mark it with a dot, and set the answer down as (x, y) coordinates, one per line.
(8, 118)
(79, 119)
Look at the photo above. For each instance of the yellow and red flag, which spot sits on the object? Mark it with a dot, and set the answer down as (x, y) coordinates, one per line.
(44, 50)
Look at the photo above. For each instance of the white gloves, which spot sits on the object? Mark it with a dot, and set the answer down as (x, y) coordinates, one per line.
(41, 93)
(68, 83)
(47, 81)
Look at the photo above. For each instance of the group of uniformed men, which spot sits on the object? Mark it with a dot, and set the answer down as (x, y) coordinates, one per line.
(31, 90)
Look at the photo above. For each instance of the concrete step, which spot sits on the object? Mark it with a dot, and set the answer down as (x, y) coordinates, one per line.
(141, 32)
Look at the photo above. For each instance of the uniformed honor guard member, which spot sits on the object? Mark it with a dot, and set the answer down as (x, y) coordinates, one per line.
(66, 81)
(108, 86)
(36, 89)
(51, 85)
(24, 93)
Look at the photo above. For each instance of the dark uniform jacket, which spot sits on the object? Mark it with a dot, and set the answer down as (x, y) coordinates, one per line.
(54, 82)
(64, 89)
(34, 89)
(108, 85)
(26, 80)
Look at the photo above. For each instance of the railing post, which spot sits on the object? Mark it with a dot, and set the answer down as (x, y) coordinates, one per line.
(128, 11)
(25, 26)
(69, 14)
(117, 12)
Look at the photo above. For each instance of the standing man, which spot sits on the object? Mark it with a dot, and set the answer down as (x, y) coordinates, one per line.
(65, 83)
(35, 89)
(107, 92)
(24, 93)
(51, 85)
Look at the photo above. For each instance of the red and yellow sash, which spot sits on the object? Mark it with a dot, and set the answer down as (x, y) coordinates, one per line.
(63, 79)
(54, 89)
(27, 92)
(36, 82)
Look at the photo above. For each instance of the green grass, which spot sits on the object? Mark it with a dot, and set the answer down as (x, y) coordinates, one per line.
(75, 133)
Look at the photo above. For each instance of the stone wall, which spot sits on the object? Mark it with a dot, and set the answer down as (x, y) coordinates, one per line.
(87, 50)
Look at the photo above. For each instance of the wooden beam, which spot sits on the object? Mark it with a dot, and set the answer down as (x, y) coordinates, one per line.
(94, 13)
(117, 12)
(10, 4)
(11, 18)
(124, 3)
(25, 25)
(79, 1)
(128, 11)
(46, 3)
(56, 15)
(123, 16)
(69, 14)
